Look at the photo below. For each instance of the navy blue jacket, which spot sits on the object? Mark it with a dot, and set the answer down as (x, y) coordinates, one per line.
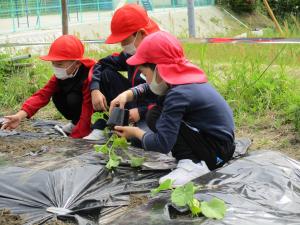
(117, 62)
(199, 106)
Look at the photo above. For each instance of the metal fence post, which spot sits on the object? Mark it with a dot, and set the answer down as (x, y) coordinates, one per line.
(191, 18)
(98, 10)
(12, 15)
(80, 10)
(38, 19)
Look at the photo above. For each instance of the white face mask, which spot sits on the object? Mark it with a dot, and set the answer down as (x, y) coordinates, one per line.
(158, 88)
(130, 48)
(61, 73)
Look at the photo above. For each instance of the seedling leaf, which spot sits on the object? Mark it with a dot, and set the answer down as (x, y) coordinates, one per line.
(136, 161)
(101, 148)
(112, 163)
(181, 196)
(215, 208)
(195, 207)
(120, 143)
(99, 115)
(166, 185)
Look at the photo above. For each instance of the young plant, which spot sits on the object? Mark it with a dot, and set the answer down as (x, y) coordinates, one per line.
(184, 196)
(113, 143)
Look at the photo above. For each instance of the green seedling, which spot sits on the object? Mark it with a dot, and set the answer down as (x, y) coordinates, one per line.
(185, 196)
(114, 160)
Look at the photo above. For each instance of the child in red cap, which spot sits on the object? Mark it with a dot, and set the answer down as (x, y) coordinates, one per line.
(68, 88)
(193, 120)
(129, 25)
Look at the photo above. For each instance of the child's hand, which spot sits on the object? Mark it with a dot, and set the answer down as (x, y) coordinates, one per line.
(11, 122)
(129, 132)
(120, 101)
(99, 101)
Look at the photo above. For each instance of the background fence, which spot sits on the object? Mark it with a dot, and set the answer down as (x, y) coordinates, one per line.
(18, 15)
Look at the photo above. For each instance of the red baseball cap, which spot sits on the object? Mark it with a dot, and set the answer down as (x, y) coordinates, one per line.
(164, 50)
(127, 20)
(67, 47)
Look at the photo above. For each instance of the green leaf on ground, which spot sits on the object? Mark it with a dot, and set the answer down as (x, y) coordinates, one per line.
(101, 148)
(136, 161)
(181, 196)
(166, 185)
(215, 208)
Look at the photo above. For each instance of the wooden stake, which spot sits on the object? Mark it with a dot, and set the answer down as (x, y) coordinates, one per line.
(270, 11)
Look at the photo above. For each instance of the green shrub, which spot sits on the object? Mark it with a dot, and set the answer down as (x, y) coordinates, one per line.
(243, 5)
(283, 9)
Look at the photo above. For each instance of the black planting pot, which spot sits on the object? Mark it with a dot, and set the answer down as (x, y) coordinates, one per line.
(118, 117)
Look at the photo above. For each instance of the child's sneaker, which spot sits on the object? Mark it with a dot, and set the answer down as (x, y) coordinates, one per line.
(95, 135)
(186, 171)
(68, 128)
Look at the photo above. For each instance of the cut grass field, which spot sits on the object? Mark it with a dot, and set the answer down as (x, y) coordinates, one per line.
(266, 104)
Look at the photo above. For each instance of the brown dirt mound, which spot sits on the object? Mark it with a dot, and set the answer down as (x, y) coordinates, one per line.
(136, 200)
(6, 218)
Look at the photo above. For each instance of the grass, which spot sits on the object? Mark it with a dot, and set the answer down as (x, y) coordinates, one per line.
(266, 105)
(237, 72)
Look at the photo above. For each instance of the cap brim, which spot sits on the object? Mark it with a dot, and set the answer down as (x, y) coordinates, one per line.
(53, 58)
(177, 74)
(136, 59)
(113, 39)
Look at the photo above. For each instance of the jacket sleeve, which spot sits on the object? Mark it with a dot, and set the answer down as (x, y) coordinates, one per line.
(83, 127)
(168, 124)
(96, 77)
(116, 62)
(40, 98)
(141, 93)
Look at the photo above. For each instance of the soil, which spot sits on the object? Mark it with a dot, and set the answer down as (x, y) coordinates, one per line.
(57, 222)
(6, 218)
(136, 200)
(14, 148)
(267, 137)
